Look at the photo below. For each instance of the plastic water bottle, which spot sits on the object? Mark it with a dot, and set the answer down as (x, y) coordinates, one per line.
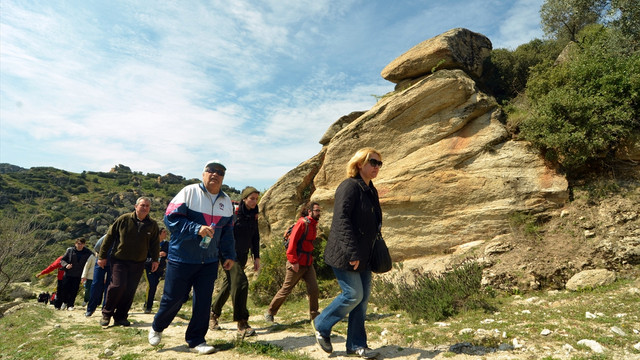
(206, 240)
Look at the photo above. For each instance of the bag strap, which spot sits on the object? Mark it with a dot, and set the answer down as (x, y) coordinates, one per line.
(303, 238)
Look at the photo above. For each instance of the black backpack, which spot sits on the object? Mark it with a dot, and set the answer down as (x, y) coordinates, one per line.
(287, 235)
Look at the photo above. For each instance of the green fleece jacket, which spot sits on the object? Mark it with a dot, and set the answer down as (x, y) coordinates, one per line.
(131, 239)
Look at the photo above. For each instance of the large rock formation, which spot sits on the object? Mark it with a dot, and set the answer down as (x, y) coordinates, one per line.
(451, 173)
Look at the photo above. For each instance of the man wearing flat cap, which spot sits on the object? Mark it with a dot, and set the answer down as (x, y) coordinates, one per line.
(235, 283)
(200, 221)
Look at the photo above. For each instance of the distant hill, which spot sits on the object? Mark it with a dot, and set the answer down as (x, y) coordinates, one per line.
(60, 206)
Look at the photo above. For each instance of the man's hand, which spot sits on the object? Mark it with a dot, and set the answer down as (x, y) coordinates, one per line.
(206, 231)
(154, 266)
(69, 266)
(256, 264)
(295, 267)
(102, 262)
(227, 264)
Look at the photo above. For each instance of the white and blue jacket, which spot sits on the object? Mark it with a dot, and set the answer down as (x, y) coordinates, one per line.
(191, 208)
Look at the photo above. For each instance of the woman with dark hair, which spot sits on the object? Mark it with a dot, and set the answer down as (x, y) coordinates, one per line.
(357, 219)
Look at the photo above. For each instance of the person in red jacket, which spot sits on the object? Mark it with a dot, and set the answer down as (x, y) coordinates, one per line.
(54, 266)
(300, 262)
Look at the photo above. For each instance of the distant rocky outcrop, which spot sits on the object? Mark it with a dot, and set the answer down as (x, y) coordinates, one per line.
(120, 169)
(451, 173)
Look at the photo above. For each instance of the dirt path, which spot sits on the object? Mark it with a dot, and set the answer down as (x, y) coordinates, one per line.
(173, 345)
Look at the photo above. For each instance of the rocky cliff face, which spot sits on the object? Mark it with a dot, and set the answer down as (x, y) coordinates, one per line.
(451, 173)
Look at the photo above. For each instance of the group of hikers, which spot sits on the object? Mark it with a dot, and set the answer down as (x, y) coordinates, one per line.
(208, 231)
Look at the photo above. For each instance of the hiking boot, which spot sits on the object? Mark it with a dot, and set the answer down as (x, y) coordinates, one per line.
(244, 329)
(323, 341)
(105, 320)
(203, 349)
(364, 353)
(213, 321)
(154, 337)
(268, 318)
(122, 322)
(88, 313)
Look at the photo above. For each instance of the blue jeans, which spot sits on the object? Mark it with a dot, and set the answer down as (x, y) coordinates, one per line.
(178, 281)
(101, 280)
(153, 279)
(356, 287)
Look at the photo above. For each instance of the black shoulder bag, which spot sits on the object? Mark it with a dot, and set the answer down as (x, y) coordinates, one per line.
(380, 259)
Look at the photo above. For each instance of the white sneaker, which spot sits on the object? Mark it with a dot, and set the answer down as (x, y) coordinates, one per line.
(154, 337)
(70, 308)
(203, 349)
(63, 307)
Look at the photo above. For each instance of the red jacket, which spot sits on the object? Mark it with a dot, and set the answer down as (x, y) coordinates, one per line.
(303, 258)
(54, 265)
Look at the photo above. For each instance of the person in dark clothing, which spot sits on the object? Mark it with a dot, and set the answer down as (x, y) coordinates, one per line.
(129, 239)
(300, 262)
(153, 277)
(357, 219)
(72, 262)
(235, 283)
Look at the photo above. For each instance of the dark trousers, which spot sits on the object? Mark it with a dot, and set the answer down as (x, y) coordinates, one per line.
(125, 276)
(178, 281)
(67, 291)
(153, 279)
(101, 279)
(87, 290)
(291, 278)
(236, 284)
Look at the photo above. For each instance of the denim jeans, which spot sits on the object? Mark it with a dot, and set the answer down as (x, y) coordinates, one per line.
(101, 280)
(356, 287)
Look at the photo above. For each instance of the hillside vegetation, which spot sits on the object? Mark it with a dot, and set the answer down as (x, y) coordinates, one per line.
(45, 209)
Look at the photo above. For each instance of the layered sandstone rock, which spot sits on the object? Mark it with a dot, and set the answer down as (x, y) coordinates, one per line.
(451, 174)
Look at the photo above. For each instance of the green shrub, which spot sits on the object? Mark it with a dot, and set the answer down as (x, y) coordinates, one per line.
(433, 297)
(585, 108)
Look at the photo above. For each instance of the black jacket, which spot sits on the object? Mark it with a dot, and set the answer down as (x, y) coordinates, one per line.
(77, 259)
(357, 218)
(245, 230)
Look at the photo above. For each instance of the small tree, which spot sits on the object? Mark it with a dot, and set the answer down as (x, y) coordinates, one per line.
(18, 249)
(563, 19)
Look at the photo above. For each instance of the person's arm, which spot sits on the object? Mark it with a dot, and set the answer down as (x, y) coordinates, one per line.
(346, 200)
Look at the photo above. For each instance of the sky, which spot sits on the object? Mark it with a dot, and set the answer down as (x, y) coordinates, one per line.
(165, 86)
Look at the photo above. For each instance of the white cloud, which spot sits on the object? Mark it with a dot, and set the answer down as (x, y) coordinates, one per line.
(164, 87)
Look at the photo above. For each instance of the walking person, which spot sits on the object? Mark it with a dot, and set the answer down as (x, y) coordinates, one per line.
(87, 278)
(55, 265)
(357, 219)
(153, 277)
(200, 219)
(235, 283)
(129, 239)
(101, 280)
(300, 262)
(72, 262)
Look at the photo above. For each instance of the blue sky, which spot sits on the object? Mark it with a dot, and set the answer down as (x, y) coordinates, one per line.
(165, 86)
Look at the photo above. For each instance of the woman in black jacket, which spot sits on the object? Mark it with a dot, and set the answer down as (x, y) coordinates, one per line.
(357, 218)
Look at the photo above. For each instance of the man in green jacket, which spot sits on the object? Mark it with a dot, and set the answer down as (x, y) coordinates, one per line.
(128, 241)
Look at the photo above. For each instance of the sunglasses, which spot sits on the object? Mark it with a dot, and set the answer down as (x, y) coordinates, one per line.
(375, 163)
(216, 171)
